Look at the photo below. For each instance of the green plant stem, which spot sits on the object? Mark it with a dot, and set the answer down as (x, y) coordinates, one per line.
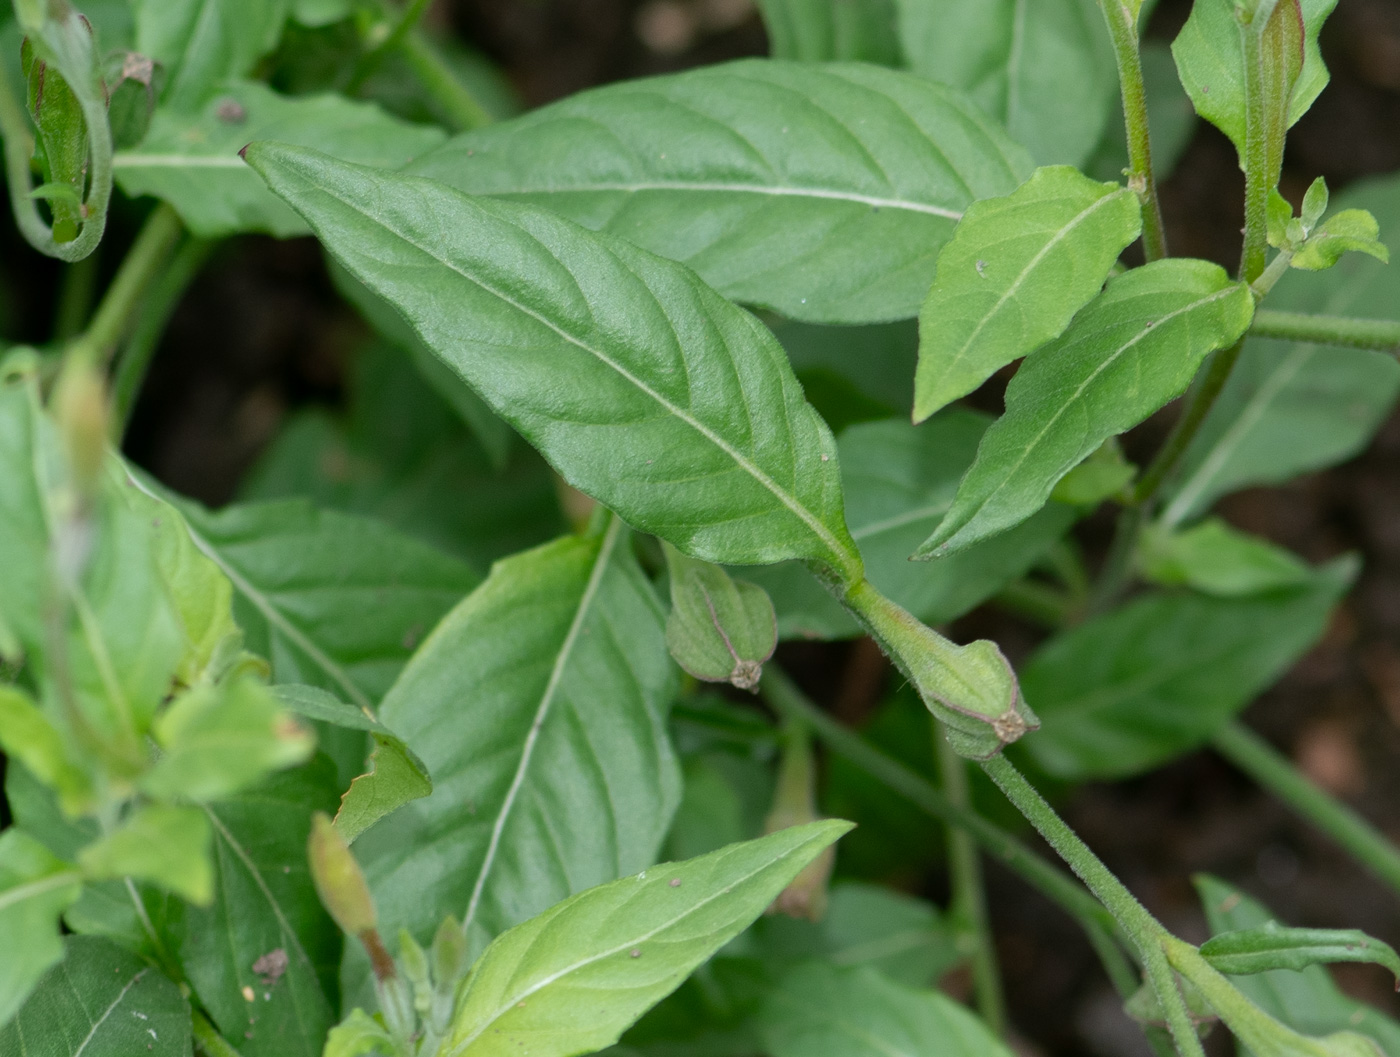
(780, 692)
(209, 1039)
(969, 902)
(144, 263)
(459, 107)
(407, 22)
(1122, 28)
(1147, 935)
(1382, 335)
(154, 314)
(75, 296)
(1272, 770)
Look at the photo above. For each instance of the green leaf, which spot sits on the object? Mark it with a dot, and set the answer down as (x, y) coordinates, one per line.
(190, 159)
(1273, 946)
(643, 387)
(62, 142)
(358, 1035)
(1126, 354)
(1154, 678)
(1293, 408)
(28, 737)
(1307, 999)
(719, 629)
(866, 369)
(541, 985)
(1351, 229)
(202, 42)
(264, 902)
(219, 739)
(1103, 475)
(396, 775)
(822, 192)
(1216, 559)
(35, 888)
(1210, 58)
(101, 1002)
(823, 30)
(821, 1011)
(331, 600)
(1016, 271)
(162, 843)
(539, 704)
(899, 482)
(1044, 70)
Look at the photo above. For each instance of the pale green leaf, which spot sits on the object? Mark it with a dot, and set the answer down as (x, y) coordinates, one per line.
(1042, 68)
(359, 1035)
(191, 159)
(395, 776)
(162, 843)
(1273, 946)
(35, 888)
(1293, 408)
(1306, 999)
(822, 191)
(101, 1002)
(1156, 677)
(642, 386)
(264, 902)
(1351, 230)
(568, 981)
(719, 629)
(1103, 475)
(28, 737)
(1126, 354)
(1216, 559)
(819, 1010)
(824, 30)
(1015, 272)
(899, 482)
(202, 42)
(539, 704)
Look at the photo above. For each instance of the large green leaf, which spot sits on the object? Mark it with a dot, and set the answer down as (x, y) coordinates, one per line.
(1292, 408)
(821, 191)
(1043, 68)
(331, 600)
(35, 888)
(202, 42)
(821, 1011)
(1307, 1000)
(1126, 354)
(264, 902)
(191, 159)
(101, 1001)
(539, 704)
(642, 386)
(1139, 685)
(824, 30)
(568, 981)
(899, 481)
(1016, 271)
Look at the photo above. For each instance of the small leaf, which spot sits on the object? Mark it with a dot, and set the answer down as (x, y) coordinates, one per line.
(1273, 946)
(719, 629)
(27, 736)
(396, 775)
(202, 42)
(820, 191)
(819, 1010)
(1125, 355)
(165, 844)
(1218, 560)
(359, 1035)
(1016, 271)
(571, 979)
(644, 388)
(35, 888)
(1103, 475)
(1154, 678)
(1314, 204)
(1351, 229)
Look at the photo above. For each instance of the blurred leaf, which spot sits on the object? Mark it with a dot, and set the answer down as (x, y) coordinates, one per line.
(202, 42)
(191, 159)
(1307, 999)
(1137, 686)
(876, 362)
(1044, 70)
(1015, 272)
(822, 192)
(1273, 946)
(162, 843)
(321, 12)
(1219, 560)
(35, 888)
(899, 482)
(101, 1002)
(823, 30)
(1103, 475)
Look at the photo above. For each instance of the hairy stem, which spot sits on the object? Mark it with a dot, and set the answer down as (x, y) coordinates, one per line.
(1382, 335)
(1122, 27)
(1259, 175)
(1272, 770)
(969, 902)
(210, 1041)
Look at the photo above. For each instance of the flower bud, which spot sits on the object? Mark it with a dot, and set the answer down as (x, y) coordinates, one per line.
(339, 882)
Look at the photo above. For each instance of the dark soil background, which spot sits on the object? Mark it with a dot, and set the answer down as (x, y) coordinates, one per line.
(261, 333)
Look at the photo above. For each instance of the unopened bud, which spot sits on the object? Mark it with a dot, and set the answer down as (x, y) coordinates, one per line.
(339, 882)
(80, 406)
(794, 804)
(449, 952)
(720, 629)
